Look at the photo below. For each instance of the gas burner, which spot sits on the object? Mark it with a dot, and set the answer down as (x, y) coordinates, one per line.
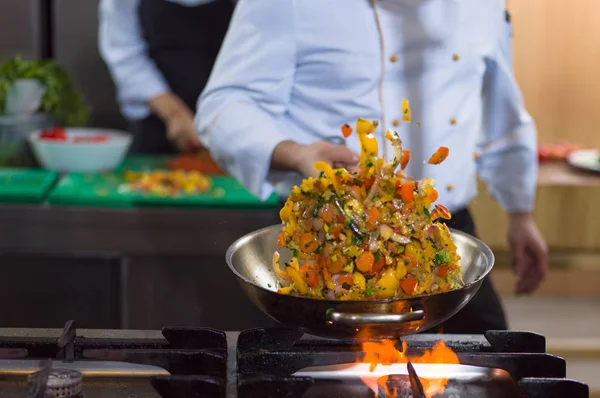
(193, 362)
(55, 383)
(180, 362)
(275, 362)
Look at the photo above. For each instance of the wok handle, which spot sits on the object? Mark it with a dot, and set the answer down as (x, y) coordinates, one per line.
(356, 319)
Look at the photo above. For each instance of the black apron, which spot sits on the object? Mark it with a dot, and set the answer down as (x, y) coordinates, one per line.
(184, 43)
(484, 312)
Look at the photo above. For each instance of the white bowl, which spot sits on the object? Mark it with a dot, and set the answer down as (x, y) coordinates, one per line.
(82, 157)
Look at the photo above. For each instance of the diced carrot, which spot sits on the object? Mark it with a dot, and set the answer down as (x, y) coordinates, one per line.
(372, 217)
(281, 239)
(442, 271)
(326, 215)
(312, 278)
(408, 284)
(407, 191)
(336, 231)
(369, 182)
(346, 130)
(365, 262)
(405, 159)
(308, 243)
(433, 196)
(439, 156)
(378, 264)
(340, 218)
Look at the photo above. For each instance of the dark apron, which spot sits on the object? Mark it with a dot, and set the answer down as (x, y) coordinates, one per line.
(484, 311)
(184, 43)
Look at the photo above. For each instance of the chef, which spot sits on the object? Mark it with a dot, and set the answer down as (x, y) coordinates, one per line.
(291, 73)
(160, 54)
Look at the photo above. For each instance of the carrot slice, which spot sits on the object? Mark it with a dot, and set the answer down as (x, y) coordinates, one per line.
(336, 266)
(439, 156)
(365, 262)
(308, 243)
(408, 284)
(346, 130)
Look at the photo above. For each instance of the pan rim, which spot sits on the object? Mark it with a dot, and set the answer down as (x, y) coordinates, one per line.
(487, 251)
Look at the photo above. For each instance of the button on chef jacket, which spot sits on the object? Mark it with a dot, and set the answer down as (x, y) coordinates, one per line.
(298, 70)
(122, 46)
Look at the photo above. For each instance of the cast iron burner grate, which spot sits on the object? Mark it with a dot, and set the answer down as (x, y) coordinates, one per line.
(196, 358)
(267, 360)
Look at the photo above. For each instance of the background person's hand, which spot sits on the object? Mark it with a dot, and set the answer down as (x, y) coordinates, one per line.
(178, 119)
(182, 132)
(529, 252)
(289, 155)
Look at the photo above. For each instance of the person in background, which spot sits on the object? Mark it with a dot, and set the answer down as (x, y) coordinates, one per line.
(291, 73)
(160, 54)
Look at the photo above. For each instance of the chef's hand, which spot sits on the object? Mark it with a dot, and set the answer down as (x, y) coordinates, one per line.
(529, 252)
(289, 155)
(178, 119)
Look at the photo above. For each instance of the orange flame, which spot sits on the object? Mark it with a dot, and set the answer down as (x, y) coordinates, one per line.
(386, 352)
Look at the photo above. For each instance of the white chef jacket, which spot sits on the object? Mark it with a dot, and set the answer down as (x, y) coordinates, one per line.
(299, 69)
(125, 51)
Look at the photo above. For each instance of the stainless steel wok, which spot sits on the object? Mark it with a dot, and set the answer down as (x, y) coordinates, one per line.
(250, 259)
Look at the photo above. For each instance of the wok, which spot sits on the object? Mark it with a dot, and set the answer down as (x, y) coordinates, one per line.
(250, 259)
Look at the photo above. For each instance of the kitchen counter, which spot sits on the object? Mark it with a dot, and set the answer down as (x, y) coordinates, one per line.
(127, 268)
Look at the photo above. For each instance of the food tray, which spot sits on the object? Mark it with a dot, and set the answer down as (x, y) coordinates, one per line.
(25, 185)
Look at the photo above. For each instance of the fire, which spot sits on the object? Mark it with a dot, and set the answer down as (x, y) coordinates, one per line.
(387, 352)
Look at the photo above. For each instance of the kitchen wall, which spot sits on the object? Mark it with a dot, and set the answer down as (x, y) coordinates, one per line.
(557, 53)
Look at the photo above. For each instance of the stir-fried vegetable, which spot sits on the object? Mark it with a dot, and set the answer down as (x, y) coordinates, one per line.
(370, 234)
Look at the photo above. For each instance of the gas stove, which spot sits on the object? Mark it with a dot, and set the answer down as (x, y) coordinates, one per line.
(203, 362)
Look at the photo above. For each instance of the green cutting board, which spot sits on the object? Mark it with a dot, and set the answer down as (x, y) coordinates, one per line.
(103, 191)
(25, 185)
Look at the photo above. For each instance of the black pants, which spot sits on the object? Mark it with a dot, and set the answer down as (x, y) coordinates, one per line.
(484, 311)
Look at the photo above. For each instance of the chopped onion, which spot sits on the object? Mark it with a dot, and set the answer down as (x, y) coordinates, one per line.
(403, 240)
(386, 231)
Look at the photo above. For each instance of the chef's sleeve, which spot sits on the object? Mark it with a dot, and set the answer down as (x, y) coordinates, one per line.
(507, 160)
(125, 52)
(239, 111)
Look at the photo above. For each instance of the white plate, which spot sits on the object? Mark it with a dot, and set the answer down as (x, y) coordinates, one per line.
(586, 159)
